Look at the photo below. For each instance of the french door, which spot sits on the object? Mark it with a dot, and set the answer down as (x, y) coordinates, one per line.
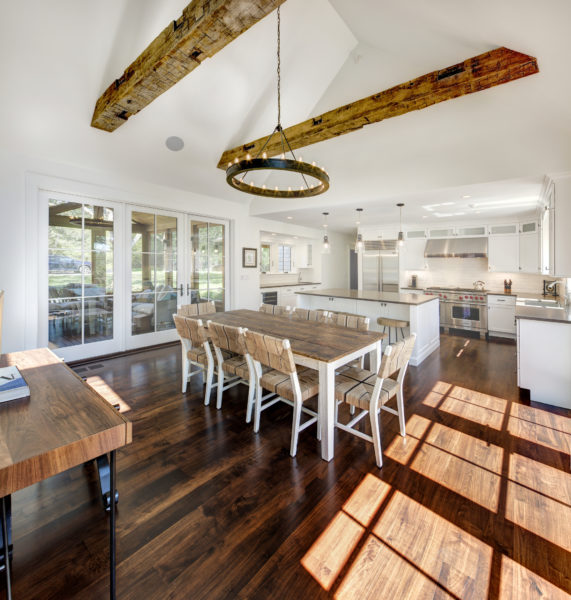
(111, 275)
(80, 301)
(174, 259)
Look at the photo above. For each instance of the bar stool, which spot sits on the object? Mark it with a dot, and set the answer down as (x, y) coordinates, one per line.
(393, 323)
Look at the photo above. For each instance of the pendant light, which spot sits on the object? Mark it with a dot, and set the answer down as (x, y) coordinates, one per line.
(326, 244)
(400, 239)
(359, 241)
(237, 171)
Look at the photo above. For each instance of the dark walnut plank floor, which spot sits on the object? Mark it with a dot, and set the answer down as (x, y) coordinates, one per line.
(474, 503)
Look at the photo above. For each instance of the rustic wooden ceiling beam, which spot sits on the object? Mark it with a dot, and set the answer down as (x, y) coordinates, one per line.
(473, 75)
(203, 29)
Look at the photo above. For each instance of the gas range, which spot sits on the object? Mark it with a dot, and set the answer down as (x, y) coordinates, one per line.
(458, 294)
(462, 308)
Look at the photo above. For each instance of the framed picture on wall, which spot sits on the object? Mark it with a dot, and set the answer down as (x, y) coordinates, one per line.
(249, 258)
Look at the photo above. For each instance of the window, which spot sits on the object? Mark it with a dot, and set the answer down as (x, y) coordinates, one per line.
(265, 258)
(284, 259)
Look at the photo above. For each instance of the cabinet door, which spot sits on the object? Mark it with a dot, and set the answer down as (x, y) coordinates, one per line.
(412, 255)
(529, 252)
(342, 305)
(503, 253)
(501, 319)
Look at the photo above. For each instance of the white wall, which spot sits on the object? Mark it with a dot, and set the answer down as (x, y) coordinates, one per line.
(19, 178)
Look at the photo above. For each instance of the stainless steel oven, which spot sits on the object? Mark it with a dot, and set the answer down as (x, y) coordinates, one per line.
(270, 297)
(462, 309)
(466, 315)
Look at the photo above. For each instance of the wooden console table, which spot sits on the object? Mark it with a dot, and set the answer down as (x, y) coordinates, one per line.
(64, 423)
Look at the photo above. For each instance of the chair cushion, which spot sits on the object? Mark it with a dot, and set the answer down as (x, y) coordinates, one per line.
(361, 375)
(199, 355)
(280, 384)
(232, 365)
(359, 394)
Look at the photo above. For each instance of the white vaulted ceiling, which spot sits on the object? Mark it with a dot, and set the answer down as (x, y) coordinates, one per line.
(59, 56)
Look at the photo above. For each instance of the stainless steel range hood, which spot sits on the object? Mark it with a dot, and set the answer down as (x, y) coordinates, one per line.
(457, 248)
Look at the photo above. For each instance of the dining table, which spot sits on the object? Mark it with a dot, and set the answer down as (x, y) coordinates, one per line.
(320, 346)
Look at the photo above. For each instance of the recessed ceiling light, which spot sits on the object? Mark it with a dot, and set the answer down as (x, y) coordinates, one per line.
(425, 216)
(274, 233)
(174, 143)
(466, 196)
(290, 217)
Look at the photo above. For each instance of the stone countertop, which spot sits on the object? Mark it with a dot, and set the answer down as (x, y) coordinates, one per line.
(541, 313)
(276, 285)
(391, 297)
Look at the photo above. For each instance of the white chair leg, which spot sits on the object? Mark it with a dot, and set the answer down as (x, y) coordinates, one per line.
(400, 409)
(258, 408)
(376, 437)
(220, 388)
(209, 376)
(295, 427)
(251, 391)
(319, 423)
(185, 370)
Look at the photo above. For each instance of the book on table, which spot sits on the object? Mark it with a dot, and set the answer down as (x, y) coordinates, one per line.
(12, 384)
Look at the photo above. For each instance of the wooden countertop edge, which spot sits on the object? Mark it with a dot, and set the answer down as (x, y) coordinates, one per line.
(32, 470)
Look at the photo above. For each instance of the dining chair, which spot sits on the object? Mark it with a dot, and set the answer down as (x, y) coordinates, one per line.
(369, 392)
(197, 308)
(227, 339)
(282, 378)
(197, 352)
(305, 314)
(275, 309)
(343, 319)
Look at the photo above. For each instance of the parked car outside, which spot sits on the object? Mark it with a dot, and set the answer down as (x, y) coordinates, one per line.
(66, 264)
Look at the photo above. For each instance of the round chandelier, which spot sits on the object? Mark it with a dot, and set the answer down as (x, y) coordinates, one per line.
(314, 179)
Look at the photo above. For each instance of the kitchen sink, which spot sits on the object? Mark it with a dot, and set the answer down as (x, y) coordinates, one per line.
(544, 303)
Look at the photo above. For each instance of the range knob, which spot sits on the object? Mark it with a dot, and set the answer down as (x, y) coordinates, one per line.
(472, 297)
(445, 296)
(460, 298)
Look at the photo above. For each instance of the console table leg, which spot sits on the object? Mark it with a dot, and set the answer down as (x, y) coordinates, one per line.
(112, 547)
(6, 544)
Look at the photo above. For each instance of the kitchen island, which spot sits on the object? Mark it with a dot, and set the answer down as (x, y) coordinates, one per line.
(544, 353)
(420, 310)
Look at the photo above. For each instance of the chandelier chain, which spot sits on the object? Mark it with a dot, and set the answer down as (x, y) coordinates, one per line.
(279, 70)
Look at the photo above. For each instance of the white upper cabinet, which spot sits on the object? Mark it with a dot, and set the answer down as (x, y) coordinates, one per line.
(503, 253)
(304, 256)
(529, 251)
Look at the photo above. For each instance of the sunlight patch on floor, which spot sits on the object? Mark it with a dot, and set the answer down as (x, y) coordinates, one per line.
(529, 585)
(528, 509)
(366, 500)
(540, 477)
(329, 554)
(412, 548)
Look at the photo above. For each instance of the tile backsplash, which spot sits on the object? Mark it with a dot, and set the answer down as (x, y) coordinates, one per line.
(463, 272)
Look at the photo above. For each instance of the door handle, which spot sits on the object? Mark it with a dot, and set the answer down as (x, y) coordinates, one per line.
(181, 290)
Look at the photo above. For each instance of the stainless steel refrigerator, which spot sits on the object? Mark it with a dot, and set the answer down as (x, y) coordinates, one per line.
(380, 266)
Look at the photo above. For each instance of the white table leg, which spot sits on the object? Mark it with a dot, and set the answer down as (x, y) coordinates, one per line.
(327, 409)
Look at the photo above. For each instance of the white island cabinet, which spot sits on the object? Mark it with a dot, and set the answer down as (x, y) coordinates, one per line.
(544, 354)
(421, 311)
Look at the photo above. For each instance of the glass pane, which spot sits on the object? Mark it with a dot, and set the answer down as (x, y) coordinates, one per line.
(64, 326)
(142, 272)
(208, 253)
(142, 232)
(143, 313)
(265, 258)
(166, 234)
(80, 273)
(98, 318)
(166, 307)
